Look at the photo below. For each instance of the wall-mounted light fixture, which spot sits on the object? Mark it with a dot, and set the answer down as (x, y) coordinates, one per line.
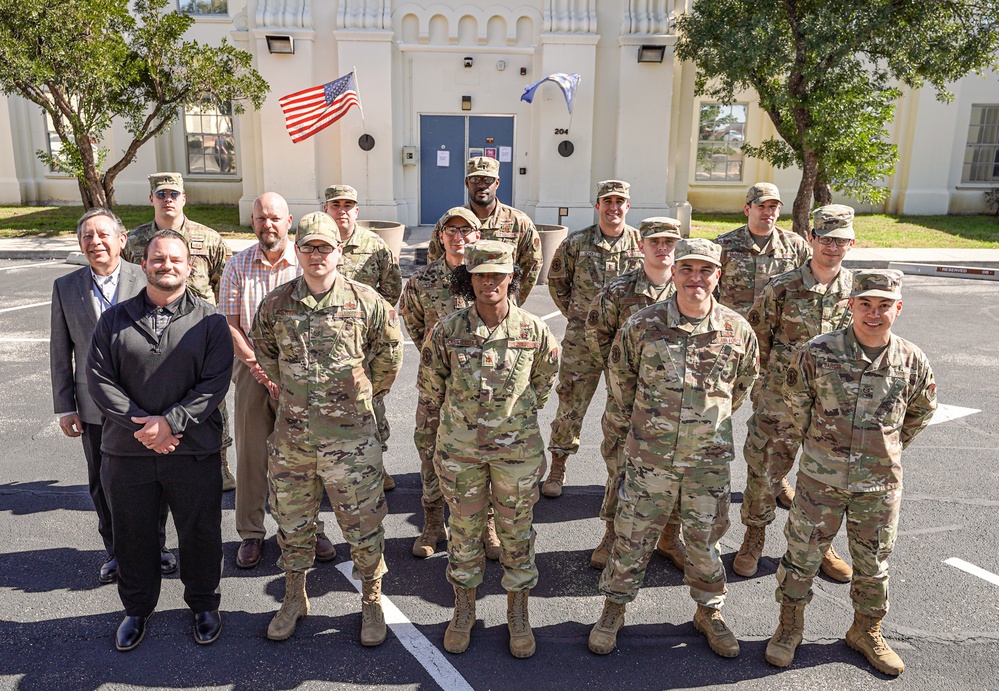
(467, 61)
(280, 45)
(651, 53)
(466, 102)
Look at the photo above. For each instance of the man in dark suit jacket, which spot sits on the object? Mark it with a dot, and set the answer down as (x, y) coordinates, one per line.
(78, 300)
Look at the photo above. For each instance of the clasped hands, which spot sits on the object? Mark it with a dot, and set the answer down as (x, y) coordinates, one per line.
(156, 434)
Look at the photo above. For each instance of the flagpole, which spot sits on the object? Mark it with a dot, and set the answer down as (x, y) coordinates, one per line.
(357, 88)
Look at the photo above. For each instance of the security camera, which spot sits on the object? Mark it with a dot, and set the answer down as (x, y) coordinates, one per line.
(468, 62)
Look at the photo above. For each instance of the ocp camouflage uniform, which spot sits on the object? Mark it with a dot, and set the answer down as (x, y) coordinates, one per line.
(487, 389)
(855, 417)
(610, 309)
(513, 227)
(209, 253)
(426, 300)
(330, 357)
(583, 265)
(678, 385)
(792, 309)
(746, 268)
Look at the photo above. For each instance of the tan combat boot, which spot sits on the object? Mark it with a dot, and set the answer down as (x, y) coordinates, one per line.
(670, 545)
(865, 637)
(747, 559)
(834, 566)
(490, 540)
(434, 531)
(556, 476)
(228, 481)
(294, 607)
(601, 554)
(603, 635)
(372, 618)
(459, 631)
(786, 493)
(720, 638)
(517, 622)
(787, 637)
(388, 482)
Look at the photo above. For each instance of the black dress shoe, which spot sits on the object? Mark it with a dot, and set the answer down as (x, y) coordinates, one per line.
(131, 631)
(109, 571)
(207, 627)
(168, 562)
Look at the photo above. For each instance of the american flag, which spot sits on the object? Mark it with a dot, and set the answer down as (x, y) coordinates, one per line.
(306, 112)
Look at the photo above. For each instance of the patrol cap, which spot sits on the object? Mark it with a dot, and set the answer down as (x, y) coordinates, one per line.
(833, 221)
(698, 248)
(660, 227)
(166, 181)
(763, 192)
(881, 283)
(483, 166)
(617, 188)
(463, 213)
(317, 226)
(341, 192)
(489, 256)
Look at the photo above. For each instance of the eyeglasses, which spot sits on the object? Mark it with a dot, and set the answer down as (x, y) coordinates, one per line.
(163, 194)
(481, 180)
(451, 231)
(840, 242)
(322, 249)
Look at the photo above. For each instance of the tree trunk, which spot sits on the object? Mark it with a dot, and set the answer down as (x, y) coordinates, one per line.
(822, 191)
(803, 200)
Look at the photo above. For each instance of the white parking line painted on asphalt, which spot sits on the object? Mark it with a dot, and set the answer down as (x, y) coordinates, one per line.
(973, 570)
(946, 413)
(553, 314)
(416, 643)
(930, 531)
(24, 340)
(24, 307)
(30, 266)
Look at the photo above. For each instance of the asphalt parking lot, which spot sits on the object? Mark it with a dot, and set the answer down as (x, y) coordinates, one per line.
(57, 623)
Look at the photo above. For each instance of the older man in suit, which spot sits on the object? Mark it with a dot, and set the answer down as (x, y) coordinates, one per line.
(78, 301)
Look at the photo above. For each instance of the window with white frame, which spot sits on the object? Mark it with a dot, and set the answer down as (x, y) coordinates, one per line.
(721, 130)
(211, 148)
(54, 142)
(981, 156)
(204, 6)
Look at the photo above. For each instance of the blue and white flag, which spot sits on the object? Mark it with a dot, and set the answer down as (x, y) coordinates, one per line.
(566, 82)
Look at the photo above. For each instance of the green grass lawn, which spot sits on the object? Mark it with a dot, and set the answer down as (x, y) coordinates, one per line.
(874, 230)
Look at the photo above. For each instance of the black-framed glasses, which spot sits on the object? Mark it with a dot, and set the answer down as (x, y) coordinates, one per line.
(451, 231)
(163, 194)
(322, 249)
(840, 242)
(481, 180)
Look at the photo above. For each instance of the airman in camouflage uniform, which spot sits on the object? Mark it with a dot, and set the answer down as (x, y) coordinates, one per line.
(677, 370)
(583, 265)
(209, 253)
(368, 260)
(757, 251)
(793, 308)
(331, 345)
(426, 299)
(625, 295)
(499, 222)
(486, 370)
(857, 397)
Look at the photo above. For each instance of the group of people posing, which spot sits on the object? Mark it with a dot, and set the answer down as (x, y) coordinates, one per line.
(684, 331)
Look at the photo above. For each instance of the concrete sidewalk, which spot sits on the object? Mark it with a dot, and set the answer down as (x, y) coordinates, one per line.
(419, 237)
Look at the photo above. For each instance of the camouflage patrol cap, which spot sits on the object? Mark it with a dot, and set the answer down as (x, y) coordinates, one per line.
(463, 213)
(660, 227)
(166, 181)
(698, 248)
(763, 192)
(617, 188)
(882, 283)
(833, 221)
(317, 226)
(341, 192)
(489, 256)
(483, 166)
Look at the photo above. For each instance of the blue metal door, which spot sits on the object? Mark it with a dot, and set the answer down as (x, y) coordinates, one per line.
(446, 142)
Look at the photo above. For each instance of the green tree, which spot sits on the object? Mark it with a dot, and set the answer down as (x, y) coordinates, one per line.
(88, 62)
(828, 73)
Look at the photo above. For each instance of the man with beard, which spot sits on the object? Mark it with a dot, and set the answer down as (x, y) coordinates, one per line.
(163, 435)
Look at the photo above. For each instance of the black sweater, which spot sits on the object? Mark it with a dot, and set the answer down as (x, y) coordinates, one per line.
(184, 375)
